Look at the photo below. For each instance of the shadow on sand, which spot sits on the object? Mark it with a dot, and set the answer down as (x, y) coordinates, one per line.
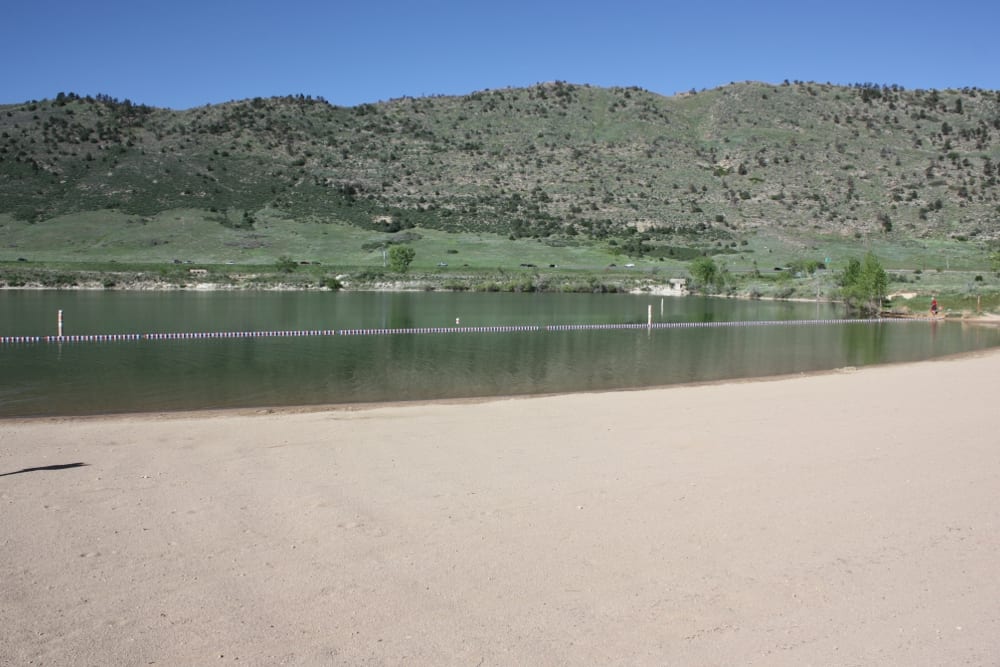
(60, 466)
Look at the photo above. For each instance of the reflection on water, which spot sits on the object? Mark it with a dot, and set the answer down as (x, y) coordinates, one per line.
(864, 347)
(90, 378)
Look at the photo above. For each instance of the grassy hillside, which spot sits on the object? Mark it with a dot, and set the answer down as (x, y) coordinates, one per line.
(564, 174)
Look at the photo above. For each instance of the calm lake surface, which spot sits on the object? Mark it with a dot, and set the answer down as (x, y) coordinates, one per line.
(95, 378)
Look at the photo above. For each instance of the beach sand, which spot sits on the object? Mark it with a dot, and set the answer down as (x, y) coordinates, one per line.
(844, 518)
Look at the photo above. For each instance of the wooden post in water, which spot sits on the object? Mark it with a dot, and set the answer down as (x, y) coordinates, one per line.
(59, 328)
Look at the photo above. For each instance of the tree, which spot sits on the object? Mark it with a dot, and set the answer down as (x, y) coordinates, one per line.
(708, 275)
(864, 284)
(703, 270)
(874, 280)
(851, 274)
(400, 257)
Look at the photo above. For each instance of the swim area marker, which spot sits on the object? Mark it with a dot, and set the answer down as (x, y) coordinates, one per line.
(218, 335)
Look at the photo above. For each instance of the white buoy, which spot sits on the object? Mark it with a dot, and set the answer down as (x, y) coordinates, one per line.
(60, 324)
(649, 316)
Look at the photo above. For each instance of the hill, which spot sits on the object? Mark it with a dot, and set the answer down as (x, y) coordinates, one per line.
(568, 164)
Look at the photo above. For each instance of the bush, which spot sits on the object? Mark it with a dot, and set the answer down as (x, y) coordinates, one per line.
(370, 274)
(15, 281)
(805, 266)
(60, 280)
(27, 214)
(285, 264)
(331, 283)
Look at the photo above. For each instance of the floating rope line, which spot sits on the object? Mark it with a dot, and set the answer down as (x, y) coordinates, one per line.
(215, 335)
(431, 330)
(728, 324)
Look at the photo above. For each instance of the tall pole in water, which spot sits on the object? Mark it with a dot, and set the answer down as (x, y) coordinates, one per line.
(60, 324)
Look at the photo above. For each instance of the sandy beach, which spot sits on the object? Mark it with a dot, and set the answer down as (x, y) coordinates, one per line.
(844, 518)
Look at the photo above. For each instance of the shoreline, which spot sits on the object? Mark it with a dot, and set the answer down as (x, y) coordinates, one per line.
(590, 280)
(830, 518)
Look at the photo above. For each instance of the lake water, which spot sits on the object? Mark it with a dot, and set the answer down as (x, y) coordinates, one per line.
(96, 378)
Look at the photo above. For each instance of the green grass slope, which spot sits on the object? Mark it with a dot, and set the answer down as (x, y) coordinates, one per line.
(574, 175)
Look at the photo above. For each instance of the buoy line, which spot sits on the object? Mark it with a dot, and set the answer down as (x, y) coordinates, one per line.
(215, 335)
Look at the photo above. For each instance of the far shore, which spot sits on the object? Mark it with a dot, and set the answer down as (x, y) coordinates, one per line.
(652, 290)
(845, 517)
(907, 299)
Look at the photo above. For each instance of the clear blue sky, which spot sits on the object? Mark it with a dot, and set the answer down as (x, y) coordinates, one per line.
(183, 53)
